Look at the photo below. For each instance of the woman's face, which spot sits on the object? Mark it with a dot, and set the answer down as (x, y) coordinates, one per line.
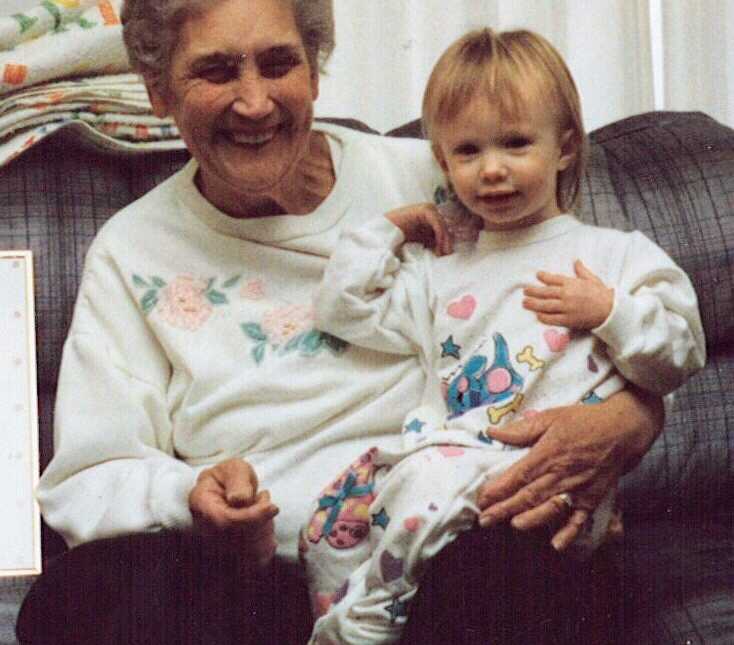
(241, 92)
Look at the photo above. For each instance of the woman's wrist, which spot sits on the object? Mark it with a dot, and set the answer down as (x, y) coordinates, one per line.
(639, 417)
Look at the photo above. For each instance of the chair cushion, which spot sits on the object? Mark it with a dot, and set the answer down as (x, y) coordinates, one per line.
(677, 581)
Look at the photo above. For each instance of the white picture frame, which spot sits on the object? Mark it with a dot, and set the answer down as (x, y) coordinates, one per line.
(20, 536)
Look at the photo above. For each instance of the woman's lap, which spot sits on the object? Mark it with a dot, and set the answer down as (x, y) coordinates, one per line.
(162, 588)
(503, 586)
(487, 586)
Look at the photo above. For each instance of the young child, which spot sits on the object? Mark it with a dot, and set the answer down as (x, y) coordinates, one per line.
(533, 311)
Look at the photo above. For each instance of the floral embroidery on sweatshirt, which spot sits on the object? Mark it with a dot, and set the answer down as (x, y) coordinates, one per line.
(186, 302)
(253, 289)
(289, 328)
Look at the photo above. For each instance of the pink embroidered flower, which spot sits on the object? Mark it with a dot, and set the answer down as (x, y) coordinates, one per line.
(253, 289)
(284, 323)
(184, 304)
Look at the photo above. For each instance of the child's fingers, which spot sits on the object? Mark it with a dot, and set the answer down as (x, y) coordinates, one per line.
(542, 292)
(551, 279)
(442, 244)
(555, 320)
(445, 243)
(543, 305)
(583, 272)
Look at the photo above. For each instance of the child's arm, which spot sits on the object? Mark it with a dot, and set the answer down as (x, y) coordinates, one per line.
(374, 293)
(652, 327)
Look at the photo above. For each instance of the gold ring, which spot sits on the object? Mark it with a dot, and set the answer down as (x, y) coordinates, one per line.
(566, 499)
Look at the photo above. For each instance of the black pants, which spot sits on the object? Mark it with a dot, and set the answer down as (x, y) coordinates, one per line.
(497, 587)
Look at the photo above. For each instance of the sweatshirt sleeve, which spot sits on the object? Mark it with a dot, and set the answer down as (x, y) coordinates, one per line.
(370, 296)
(113, 470)
(654, 332)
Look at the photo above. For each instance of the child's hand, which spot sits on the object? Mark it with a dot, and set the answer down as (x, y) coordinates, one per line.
(583, 302)
(422, 223)
(227, 508)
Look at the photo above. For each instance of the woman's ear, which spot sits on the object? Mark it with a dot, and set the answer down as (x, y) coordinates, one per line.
(569, 145)
(157, 96)
(314, 84)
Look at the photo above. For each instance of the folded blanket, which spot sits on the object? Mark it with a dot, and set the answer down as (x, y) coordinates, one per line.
(61, 38)
(108, 111)
(63, 65)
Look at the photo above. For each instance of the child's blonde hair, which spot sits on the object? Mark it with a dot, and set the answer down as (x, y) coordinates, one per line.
(509, 68)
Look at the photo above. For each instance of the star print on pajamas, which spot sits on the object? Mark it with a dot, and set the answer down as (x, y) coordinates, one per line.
(450, 348)
(416, 425)
(381, 518)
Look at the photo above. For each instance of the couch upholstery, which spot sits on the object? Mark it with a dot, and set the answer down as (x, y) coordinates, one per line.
(670, 175)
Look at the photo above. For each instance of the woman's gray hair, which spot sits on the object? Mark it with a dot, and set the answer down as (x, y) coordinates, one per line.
(151, 31)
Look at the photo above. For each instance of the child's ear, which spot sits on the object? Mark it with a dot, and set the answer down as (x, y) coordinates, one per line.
(569, 145)
(439, 157)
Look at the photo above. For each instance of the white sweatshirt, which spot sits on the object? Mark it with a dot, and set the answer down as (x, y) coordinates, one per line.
(464, 314)
(193, 341)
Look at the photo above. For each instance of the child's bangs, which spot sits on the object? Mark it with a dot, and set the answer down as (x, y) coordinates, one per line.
(507, 84)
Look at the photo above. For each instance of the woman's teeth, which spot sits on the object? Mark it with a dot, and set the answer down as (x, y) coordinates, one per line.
(251, 139)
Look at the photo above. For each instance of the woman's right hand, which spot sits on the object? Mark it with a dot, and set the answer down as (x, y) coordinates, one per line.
(423, 223)
(228, 509)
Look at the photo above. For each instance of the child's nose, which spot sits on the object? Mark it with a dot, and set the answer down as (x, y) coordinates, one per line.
(493, 167)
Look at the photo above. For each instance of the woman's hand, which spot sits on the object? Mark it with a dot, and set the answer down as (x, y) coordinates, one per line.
(423, 223)
(582, 450)
(227, 508)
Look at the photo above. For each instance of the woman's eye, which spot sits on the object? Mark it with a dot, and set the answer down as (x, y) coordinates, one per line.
(219, 73)
(278, 66)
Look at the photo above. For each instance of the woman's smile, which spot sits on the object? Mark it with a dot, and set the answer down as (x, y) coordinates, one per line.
(257, 139)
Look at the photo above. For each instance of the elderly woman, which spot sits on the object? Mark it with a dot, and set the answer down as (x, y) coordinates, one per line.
(199, 412)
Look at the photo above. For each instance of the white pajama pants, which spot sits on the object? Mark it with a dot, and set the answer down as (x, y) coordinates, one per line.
(374, 528)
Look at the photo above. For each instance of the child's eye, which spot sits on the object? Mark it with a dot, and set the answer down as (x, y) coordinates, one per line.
(466, 149)
(517, 142)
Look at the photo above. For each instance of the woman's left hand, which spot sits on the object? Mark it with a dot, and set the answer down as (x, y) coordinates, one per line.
(581, 450)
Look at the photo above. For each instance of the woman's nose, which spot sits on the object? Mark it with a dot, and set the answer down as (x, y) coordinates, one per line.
(252, 98)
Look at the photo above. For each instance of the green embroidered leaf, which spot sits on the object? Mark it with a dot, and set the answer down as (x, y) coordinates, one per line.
(292, 343)
(311, 342)
(336, 345)
(210, 283)
(139, 282)
(24, 21)
(231, 282)
(149, 301)
(158, 282)
(216, 297)
(258, 352)
(254, 331)
(86, 24)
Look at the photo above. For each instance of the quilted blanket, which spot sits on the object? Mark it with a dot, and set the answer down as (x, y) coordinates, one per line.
(63, 65)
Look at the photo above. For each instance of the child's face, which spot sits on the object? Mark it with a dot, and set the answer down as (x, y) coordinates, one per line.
(505, 171)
